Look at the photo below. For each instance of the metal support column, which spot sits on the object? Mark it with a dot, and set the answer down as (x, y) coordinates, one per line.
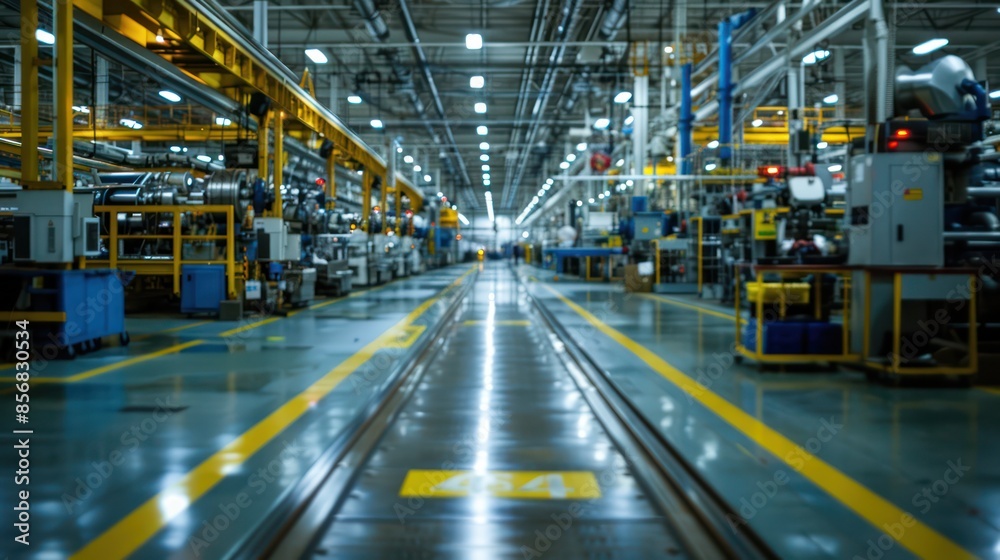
(839, 82)
(795, 104)
(279, 161)
(102, 97)
(640, 124)
(29, 83)
(685, 121)
(366, 199)
(262, 139)
(331, 182)
(63, 126)
(260, 22)
(388, 183)
(725, 89)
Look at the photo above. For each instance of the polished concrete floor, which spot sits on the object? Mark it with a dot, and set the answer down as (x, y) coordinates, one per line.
(179, 445)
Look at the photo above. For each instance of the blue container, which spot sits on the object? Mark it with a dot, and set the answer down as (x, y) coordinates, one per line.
(780, 337)
(203, 287)
(93, 301)
(824, 338)
(639, 204)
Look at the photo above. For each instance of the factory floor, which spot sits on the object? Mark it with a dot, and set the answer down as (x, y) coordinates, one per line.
(181, 444)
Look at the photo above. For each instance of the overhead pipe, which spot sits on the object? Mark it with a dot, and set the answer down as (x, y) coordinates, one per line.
(726, 28)
(686, 120)
(563, 31)
(842, 19)
(725, 89)
(425, 68)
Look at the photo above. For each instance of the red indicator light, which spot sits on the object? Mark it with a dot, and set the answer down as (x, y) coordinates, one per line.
(893, 144)
(903, 133)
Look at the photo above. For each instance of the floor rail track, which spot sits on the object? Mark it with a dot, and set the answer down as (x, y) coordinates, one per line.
(301, 514)
(674, 482)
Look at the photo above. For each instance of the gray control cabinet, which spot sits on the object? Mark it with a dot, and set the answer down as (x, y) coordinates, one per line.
(895, 209)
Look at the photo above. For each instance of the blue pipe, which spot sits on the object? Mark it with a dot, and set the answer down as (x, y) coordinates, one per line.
(686, 120)
(725, 89)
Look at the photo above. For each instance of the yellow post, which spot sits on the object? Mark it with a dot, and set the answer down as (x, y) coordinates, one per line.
(279, 161)
(897, 318)
(262, 168)
(29, 92)
(230, 253)
(700, 252)
(385, 201)
(178, 244)
(366, 199)
(331, 182)
(63, 157)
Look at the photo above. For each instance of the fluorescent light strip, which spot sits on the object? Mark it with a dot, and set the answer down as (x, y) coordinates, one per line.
(489, 205)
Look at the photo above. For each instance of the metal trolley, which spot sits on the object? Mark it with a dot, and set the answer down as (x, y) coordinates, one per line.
(780, 295)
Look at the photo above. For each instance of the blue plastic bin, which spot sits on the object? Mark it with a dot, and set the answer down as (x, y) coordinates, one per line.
(203, 287)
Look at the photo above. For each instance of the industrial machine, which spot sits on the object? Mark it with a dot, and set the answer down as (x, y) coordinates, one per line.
(921, 218)
(330, 258)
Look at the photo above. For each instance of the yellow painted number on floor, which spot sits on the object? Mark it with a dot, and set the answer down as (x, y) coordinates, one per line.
(543, 485)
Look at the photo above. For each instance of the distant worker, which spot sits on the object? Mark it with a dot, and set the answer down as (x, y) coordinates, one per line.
(517, 253)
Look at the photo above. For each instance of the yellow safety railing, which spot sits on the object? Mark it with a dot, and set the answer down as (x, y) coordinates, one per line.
(172, 266)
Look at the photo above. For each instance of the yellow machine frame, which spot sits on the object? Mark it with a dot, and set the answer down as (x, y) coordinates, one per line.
(895, 367)
(172, 267)
(757, 354)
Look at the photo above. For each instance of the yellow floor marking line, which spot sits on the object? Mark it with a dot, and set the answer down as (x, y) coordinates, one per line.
(512, 323)
(697, 308)
(185, 327)
(918, 538)
(126, 536)
(245, 328)
(993, 390)
(536, 485)
(112, 367)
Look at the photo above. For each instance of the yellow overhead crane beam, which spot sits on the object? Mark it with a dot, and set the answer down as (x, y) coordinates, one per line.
(227, 65)
(185, 133)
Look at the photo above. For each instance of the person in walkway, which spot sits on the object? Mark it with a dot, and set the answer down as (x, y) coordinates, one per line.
(516, 250)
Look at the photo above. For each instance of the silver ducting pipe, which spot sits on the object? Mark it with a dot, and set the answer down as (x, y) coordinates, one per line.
(563, 32)
(379, 31)
(613, 19)
(972, 235)
(425, 68)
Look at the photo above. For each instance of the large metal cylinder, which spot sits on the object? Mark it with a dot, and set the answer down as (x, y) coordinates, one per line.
(933, 89)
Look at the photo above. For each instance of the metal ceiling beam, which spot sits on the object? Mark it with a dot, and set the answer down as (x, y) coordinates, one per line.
(830, 27)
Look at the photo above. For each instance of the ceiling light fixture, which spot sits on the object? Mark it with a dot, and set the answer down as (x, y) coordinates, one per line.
(473, 41)
(930, 46)
(571, 157)
(822, 145)
(602, 123)
(668, 49)
(222, 121)
(712, 145)
(484, 157)
(564, 165)
(549, 181)
(480, 107)
(710, 167)
(170, 96)
(482, 130)
(815, 56)
(317, 56)
(203, 158)
(477, 82)
(629, 120)
(486, 182)
(417, 169)
(484, 145)
(620, 162)
(44, 36)
(831, 99)
(427, 178)
(995, 94)
(407, 159)
(377, 123)
(486, 167)
(354, 99)
(623, 97)
(581, 146)
(489, 204)
(756, 123)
